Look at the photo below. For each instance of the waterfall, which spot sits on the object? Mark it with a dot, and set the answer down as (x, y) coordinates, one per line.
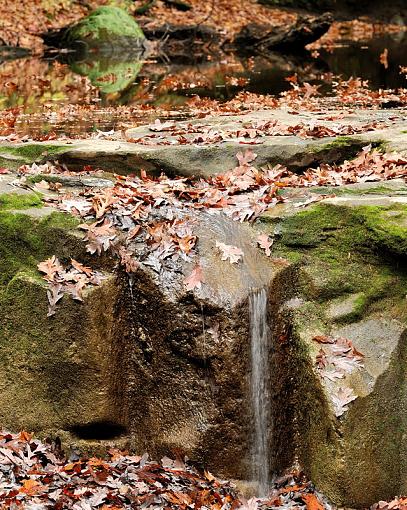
(259, 389)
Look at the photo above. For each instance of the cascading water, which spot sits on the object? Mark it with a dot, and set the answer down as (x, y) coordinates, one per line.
(259, 389)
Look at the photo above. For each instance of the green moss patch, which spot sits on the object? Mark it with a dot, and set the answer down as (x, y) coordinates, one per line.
(16, 201)
(25, 241)
(30, 153)
(340, 250)
(105, 24)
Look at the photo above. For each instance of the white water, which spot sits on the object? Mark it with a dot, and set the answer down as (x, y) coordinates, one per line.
(259, 390)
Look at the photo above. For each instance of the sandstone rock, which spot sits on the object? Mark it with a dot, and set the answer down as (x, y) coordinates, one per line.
(347, 280)
(164, 153)
(57, 373)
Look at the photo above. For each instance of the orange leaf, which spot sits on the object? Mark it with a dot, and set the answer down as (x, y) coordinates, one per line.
(25, 436)
(312, 502)
(31, 487)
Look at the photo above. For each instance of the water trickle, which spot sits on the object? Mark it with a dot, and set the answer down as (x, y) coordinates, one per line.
(259, 390)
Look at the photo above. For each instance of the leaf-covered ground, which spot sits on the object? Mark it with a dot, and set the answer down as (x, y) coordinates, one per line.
(36, 475)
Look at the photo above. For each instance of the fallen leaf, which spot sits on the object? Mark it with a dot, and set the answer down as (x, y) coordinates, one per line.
(265, 242)
(232, 253)
(384, 58)
(195, 279)
(312, 502)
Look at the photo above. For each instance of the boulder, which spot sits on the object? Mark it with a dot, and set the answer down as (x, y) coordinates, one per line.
(58, 373)
(106, 25)
(346, 280)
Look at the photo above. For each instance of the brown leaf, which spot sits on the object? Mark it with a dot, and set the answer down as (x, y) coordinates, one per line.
(195, 279)
(323, 339)
(51, 267)
(384, 58)
(246, 157)
(81, 268)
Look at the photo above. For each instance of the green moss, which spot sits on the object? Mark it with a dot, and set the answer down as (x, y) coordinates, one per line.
(18, 201)
(341, 230)
(105, 24)
(339, 142)
(341, 250)
(387, 227)
(25, 241)
(28, 153)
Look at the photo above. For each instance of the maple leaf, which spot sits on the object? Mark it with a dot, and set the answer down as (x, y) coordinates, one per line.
(232, 253)
(265, 242)
(195, 279)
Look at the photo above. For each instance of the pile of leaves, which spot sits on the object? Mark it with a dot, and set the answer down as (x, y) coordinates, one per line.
(36, 476)
(251, 133)
(335, 360)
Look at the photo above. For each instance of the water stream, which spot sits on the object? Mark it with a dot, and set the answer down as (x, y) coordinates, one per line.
(259, 390)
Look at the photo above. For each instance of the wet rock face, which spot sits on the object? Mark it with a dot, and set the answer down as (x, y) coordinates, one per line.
(348, 282)
(189, 355)
(141, 362)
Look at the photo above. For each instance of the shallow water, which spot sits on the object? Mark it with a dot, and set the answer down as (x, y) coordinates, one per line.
(46, 84)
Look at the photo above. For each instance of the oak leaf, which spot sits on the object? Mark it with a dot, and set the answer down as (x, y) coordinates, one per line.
(195, 279)
(232, 253)
(265, 242)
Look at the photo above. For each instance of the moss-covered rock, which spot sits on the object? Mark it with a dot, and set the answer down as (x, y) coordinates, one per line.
(56, 373)
(108, 75)
(348, 255)
(105, 25)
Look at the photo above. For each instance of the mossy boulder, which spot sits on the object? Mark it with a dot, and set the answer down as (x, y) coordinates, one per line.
(347, 279)
(106, 25)
(57, 373)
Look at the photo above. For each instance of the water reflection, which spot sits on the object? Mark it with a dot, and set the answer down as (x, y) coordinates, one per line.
(121, 77)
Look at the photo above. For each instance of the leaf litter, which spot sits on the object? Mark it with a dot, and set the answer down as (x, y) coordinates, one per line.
(151, 222)
(36, 475)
